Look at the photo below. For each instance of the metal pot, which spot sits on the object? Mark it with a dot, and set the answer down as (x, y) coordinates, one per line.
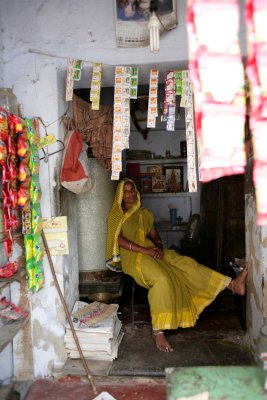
(103, 297)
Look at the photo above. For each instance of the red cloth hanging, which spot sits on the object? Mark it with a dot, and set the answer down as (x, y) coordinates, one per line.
(75, 175)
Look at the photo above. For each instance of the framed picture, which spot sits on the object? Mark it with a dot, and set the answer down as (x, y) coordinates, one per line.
(146, 183)
(131, 19)
(158, 183)
(174, 178)
(155, 169)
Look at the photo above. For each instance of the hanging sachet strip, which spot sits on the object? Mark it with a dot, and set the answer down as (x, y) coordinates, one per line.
(31, 214)
(120, 105)
(169, 100)
(152, 111)
(133, 72)
(69, 80)
(125, 87)
(256, 69)
(187, 103)
(74, 71)
(77, 70)
(9, 162)
(217, 75)
(96, 86)
(129, 91)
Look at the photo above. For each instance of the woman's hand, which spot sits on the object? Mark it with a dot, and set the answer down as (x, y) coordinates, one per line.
(159, 244)
(154, 236)
(155, 252)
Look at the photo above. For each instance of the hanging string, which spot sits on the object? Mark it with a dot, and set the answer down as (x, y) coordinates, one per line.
(43, 53)
(65, 114)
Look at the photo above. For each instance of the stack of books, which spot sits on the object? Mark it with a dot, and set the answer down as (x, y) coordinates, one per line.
(98, 329)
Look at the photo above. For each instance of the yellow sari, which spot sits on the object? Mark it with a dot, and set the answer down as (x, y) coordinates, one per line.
(178, 287)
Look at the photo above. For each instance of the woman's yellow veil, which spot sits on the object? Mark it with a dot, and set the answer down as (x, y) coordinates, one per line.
(115, 220)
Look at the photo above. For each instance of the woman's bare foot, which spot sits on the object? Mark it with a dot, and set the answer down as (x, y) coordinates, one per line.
(161, 342)
(238, 285)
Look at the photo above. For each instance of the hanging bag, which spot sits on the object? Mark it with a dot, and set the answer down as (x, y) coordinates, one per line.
(75, 173)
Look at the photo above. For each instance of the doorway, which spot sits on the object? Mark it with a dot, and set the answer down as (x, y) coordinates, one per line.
(220, 317)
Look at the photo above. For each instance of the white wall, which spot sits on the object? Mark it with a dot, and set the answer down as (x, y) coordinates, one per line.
(1, 54)
(37, 37)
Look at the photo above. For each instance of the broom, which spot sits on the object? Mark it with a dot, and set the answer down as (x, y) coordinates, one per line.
(103, 395)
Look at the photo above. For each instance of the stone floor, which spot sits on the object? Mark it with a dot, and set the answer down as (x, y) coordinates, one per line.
(139, 371)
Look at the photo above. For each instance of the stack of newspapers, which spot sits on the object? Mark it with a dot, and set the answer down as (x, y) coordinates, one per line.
(98, 329)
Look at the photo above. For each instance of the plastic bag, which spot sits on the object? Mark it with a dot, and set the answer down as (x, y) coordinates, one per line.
(75, 173)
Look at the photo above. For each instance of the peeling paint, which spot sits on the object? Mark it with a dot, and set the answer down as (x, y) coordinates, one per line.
(48, 344)
(256, 241)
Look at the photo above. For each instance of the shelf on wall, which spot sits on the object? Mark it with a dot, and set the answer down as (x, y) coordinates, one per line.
(9, 331)
(160, 161)
(167, 194)
(166, 226)
(16, 277)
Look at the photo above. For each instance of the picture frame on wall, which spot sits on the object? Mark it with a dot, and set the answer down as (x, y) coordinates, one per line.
(146, 183)
(174, 178)
(158, 183)
(131, 18)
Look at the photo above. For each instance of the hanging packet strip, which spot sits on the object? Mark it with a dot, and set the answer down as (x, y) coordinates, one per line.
(152, 111)
(69, 80)
(178, 82)
(133, 82)
(190, 141)
(169, 100)
(32, 216)
(126, 84)
(74, 71)
(77, 70)
(9, 161)
(186, 90)
(121, 117)
(96, 86)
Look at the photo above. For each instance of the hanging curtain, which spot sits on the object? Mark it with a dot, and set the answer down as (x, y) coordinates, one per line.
(96, 128)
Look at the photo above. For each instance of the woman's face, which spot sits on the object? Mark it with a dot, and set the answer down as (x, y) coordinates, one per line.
(129, 195)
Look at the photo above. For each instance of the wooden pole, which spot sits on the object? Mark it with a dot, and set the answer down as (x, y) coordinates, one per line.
(89, 375)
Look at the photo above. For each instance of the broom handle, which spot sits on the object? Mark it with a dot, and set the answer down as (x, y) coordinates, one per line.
(89, 375)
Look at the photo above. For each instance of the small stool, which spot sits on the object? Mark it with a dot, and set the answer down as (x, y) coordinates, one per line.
(132, 307)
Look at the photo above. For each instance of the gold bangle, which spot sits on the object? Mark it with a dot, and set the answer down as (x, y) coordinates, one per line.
(131, 246)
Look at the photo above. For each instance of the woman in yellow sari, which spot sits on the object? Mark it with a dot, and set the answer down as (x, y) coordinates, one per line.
(178, 287)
